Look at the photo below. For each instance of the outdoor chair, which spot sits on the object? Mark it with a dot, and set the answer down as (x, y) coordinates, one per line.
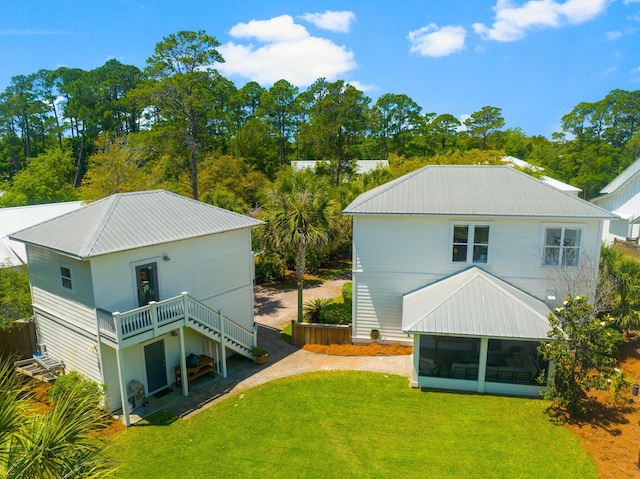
(492, 374)
(428, 367)
(459, 370)
(522, 376)
(505, 374)
(472, 372)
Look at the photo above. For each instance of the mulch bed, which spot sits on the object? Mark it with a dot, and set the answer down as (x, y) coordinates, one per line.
(373, 349)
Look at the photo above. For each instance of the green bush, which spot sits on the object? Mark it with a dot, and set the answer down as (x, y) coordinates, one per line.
(336, 313)
(270, 268)
(347, 293)
(76, 383)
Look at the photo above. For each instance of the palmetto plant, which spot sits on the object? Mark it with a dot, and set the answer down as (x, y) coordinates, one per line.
(313, 309)
(59, 443)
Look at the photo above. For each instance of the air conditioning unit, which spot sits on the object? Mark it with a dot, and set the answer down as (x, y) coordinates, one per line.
(42, 348)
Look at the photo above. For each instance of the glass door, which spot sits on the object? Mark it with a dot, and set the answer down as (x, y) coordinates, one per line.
(147, 279)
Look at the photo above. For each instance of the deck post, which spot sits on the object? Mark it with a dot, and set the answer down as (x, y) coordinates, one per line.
(223, 340)
(185, 305)
(482, 363)
(153, 309)
(183, 363)
(123, 390)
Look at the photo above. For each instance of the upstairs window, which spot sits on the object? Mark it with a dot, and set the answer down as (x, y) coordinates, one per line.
(65, 276)
(470, 243)
(562, 246)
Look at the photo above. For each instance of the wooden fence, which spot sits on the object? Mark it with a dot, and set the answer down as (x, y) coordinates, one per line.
(316, 333)
(630, 247)
(19, 340)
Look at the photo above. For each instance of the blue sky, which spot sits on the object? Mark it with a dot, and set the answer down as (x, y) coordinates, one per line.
(535, 59)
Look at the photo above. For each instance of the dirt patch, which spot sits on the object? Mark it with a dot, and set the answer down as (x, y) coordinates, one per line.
(373, 349)
(611, 434)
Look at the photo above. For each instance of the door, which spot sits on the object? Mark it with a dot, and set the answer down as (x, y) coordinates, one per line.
(147, 283)
(156, 366)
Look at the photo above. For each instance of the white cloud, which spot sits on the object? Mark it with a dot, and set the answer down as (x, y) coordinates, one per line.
(287, 52)
(627, 2)
(431, 41)
(330, 20)
(511, 22)
(278, 29)
(362, 87)
(635, 70)
(612, 35)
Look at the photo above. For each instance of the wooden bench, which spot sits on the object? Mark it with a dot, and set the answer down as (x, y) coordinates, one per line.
(207, 365)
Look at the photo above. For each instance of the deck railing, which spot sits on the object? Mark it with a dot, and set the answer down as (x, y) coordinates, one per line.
(121, 326)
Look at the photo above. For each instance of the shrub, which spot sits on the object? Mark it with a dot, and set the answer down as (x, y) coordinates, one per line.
(336, 313)
(269, 268)
(312, 309)
(347, 293)
(76, 383)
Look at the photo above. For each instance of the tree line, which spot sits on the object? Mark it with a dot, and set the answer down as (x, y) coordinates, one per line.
(117, 128)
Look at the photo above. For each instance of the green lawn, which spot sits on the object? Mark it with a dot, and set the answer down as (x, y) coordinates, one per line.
(349, 424)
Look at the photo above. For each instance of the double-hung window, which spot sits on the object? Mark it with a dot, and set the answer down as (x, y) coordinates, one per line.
(562, 245)
(470, 243)
(65, 277)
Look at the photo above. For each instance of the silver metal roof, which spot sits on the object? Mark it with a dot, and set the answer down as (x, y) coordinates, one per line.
(454, 190)
(131, 220)
(13, 253)
(475, 303)
(622, 178)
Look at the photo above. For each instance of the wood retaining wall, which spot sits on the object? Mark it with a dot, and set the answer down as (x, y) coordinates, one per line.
(316, 333)
(630, 247)
(19, 340)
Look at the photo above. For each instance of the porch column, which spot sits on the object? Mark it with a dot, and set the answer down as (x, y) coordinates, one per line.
(123, 390)
(482, 365)
(223, 340)
(416, 361)
(183, 363)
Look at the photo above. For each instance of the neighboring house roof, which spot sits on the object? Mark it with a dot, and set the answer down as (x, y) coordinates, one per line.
(450, 190)
(131, 220)
(562, 186)
(620, 180)
(13, 253)
(475, 303)
(362, 166)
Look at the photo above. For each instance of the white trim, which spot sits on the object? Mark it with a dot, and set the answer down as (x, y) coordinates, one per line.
(470, 241)
(563, 227)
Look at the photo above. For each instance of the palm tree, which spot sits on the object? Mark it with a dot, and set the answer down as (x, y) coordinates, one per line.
(297, 216)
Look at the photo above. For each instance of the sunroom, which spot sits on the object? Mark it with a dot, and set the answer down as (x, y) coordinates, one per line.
(474, 332)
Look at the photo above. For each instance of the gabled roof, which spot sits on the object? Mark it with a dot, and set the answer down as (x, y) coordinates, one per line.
(473, 191)
(13, 253)
(632, 170)
(131, 220)
(475, 303)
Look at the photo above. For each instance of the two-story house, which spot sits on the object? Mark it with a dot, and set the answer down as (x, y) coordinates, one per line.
(125, 288)
(622, 197)
(465, 263)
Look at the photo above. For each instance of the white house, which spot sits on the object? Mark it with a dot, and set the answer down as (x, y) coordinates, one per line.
(622, 197)
(465, 262)
(125, 288)
(13, 253)
(362, 166)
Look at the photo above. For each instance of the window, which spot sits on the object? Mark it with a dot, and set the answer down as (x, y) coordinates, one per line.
(65, 276)
(562, 246)
(470, 243)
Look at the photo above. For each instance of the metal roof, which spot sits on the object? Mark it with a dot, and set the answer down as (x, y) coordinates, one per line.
(475, 303)
(622, 178)
(13, 253)
(455, 190)
(131, 220)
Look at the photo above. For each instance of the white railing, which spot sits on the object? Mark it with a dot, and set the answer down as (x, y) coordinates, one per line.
(121, 326)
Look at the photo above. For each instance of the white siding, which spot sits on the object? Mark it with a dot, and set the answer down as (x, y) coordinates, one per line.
(394, 255)
(77, 348)
(207, 268)
(626, 200)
